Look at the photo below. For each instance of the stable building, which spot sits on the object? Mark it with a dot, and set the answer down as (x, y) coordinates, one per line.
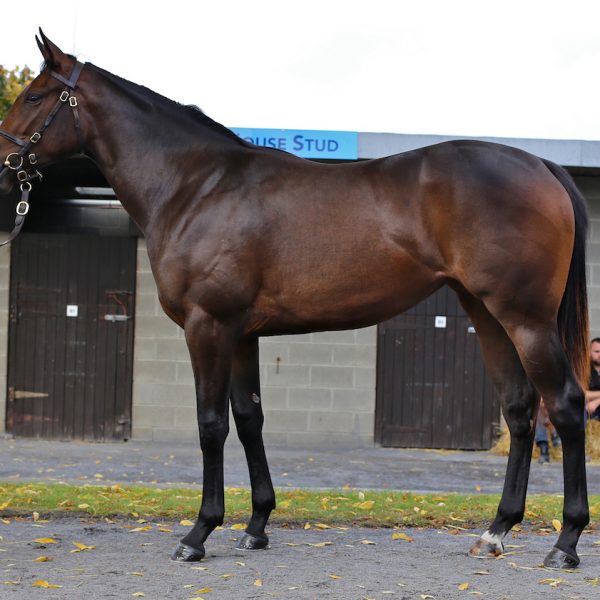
(87, 353)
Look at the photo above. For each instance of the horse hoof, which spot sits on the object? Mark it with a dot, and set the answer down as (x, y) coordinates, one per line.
(185, 553)
(486, 549)
(252, 542)
(558, 559)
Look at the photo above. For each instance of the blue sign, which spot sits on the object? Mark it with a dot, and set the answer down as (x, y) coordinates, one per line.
(304, 142)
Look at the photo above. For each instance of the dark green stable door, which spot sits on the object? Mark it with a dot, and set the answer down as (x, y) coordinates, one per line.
(432, 388)
(71, 337)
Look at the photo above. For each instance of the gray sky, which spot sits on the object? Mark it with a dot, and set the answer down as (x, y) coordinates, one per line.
(516, 68)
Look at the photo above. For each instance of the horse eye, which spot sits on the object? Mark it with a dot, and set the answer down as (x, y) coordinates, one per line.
(33, 99)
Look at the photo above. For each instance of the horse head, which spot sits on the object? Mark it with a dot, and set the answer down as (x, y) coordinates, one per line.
(39, 128)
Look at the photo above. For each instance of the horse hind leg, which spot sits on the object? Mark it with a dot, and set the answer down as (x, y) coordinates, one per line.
(519, 401)
(248, 415)
(547, 365)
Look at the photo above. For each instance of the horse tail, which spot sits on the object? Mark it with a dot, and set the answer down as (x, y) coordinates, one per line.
(573, 319)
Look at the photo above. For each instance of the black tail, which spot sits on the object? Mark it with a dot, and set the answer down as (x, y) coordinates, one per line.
(573, 319)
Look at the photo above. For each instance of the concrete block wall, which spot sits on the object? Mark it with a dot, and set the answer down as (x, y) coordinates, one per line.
(319, 388)
(163, 388)
(316, 389)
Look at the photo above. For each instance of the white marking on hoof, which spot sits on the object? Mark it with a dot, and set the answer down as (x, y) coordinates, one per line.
(493, 539)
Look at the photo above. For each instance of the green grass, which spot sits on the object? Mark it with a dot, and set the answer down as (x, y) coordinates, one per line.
(295, 507)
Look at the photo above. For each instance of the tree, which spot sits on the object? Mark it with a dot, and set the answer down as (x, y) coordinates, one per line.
(12, 82)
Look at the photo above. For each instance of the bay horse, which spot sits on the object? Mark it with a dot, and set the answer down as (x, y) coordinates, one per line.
(246, 241)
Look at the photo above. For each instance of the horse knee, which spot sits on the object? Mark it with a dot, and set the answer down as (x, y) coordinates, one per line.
(213, 433)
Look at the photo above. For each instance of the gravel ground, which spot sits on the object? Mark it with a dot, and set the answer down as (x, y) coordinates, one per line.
(152, 463)
(354, 563)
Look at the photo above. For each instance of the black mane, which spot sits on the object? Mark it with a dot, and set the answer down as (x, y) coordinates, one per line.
(192, 111)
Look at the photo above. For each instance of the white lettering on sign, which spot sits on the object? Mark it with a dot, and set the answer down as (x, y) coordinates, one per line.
(440, 322)
(72, 310)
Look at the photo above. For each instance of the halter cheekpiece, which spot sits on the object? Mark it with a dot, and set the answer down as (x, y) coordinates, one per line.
(25, 160)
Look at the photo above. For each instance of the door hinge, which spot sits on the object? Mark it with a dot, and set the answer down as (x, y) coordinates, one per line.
(20, 394)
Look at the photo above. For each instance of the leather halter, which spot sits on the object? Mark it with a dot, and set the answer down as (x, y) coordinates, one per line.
(15, 161)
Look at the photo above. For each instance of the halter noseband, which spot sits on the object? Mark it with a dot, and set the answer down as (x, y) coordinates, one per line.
(15, 161)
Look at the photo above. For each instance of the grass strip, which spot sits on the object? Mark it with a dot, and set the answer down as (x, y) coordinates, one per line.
(295, 507)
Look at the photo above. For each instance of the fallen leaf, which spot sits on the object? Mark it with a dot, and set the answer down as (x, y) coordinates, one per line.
(322, 526)
(10, 582)
(556, 524)
(258, 583)
(204, 590)
(477, 488)
(138, 594)
(186, 523)
(140, 529)
(4, 505)
(368, 543)
(321, 544)
(83, 505)
(45, 541)
(335, 577)
(227, 575)
(307, 525)
(81, 547)
(401, 536)
(238, 526)
(463, 586)
(425, 596)
(36, 516)
(42, 583)
(136, 574)
(366, 505)
(42, 559)
(551, 582)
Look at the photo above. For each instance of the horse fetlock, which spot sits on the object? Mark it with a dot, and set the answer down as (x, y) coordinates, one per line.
(489, 545)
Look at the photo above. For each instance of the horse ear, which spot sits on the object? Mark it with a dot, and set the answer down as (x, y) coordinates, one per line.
(52, 54)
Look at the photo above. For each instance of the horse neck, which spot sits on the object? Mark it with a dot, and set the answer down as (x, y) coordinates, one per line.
(140, 142)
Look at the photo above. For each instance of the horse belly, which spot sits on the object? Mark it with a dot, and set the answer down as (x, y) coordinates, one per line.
(354, 295)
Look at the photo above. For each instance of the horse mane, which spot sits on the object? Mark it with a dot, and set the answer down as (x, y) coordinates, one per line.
(190, 110)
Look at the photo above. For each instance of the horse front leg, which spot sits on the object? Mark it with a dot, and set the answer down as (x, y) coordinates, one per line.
(248, 415)
(211, 347)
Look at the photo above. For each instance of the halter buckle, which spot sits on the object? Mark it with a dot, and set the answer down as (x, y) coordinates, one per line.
(35, 138)
(23, 207)
(22, 176)
(73, 101)
(32, 158)
(14, 167)
(64, 96)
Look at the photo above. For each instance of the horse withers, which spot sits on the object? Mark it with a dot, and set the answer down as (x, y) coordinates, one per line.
(247, 241)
